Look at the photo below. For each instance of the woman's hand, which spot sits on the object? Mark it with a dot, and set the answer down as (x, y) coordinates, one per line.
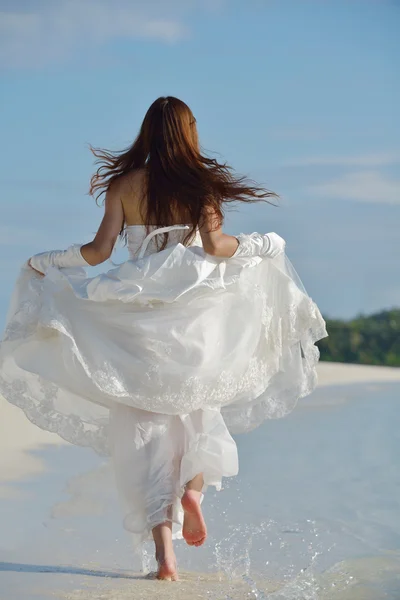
(33, 269)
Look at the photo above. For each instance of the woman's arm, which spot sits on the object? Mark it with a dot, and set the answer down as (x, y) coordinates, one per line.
(96, 251)
(215, 242)
(101, 247)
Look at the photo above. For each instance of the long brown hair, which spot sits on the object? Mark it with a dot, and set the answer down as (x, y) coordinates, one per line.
(181, 183)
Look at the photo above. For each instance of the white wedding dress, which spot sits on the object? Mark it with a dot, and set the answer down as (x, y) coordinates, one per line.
(158, 360)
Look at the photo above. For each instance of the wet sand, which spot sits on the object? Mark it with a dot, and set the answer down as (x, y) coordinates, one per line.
(313, 515)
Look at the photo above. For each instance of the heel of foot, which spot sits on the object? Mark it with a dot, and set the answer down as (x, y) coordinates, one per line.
(194, 528)
(191, 500)
(167, 570)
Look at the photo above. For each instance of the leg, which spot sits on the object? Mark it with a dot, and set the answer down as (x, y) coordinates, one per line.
(146, 463)
(165, 555)
(194, 527)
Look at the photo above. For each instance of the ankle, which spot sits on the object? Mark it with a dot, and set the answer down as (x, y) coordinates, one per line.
(196, 484)
(163, 556)
(193, 492)
(164, 550)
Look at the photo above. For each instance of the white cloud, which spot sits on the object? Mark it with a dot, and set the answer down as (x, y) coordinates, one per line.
(48, 32)
(363, 186)
(363, 160)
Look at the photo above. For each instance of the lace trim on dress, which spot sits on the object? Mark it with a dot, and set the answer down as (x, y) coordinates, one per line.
(261, 397)
(283, 326)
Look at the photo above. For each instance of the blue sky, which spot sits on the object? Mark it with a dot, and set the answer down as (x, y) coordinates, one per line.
(301, 95)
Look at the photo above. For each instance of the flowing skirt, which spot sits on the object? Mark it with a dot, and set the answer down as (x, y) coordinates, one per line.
(178, 348)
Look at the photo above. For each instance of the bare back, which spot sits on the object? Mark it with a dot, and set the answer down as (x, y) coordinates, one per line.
(132, 188)
(133, 194)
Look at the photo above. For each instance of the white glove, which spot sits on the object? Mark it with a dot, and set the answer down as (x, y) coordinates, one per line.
(257, 244)
(71, 257)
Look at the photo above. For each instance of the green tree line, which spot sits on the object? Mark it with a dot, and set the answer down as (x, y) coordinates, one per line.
(368, 340)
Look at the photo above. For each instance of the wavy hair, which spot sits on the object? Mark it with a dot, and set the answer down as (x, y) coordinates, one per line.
(182, 184)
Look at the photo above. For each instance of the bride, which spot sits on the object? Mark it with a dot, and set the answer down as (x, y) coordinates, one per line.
(157, 361)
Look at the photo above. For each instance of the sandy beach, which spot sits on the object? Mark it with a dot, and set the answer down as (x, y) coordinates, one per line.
(345, 374)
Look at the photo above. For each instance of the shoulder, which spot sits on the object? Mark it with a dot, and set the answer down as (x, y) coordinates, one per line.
(127, 185)
(114, 192)
(135, 179)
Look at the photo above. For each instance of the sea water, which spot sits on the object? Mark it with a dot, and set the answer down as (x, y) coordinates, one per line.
(313, 515)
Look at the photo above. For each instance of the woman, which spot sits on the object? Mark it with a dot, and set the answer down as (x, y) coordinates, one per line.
(155, 362)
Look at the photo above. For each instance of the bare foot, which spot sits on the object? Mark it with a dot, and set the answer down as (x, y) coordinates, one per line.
(194, 527)
(167, 568)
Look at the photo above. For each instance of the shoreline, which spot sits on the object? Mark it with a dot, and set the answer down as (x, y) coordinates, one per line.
(330, 373)
(19, 437)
